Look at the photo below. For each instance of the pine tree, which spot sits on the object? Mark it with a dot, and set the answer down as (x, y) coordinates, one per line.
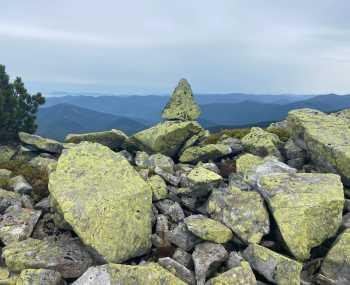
(17, 108)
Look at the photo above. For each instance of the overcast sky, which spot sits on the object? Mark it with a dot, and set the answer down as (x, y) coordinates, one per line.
(139, 46)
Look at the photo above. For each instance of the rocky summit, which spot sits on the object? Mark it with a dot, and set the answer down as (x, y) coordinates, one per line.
(174, 204)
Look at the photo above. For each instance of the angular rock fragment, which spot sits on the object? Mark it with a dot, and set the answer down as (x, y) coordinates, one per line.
(179, 270)
(17, 224)
(324, 137)
(161, 161)
(208, 152)
(8, 199)
(202, 181)
(307, 208)
(172, 209)
(208, 229)
(40, 277)
(241, 274)
(336, 265)
(40, 143)
(183, 238)
(44, 164)
(113, 139)
(113, 274)
(158, 187)
(7, 153)
(183, 257)
(65, 256)
(243, 212)
(181, 105)
(274, 267)
(20, 185)
(105, 201)
(207, 257)
(166, 138)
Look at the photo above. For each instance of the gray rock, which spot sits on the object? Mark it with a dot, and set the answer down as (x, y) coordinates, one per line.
(40, 143)
(20, 185)
(171, 209)
(168, 177)
(183, 238)
(234, 260)
(161, 161)
(178, 270)
(44, 164)
(183, 257)
(65, 256)
(40, 277)
(17, 224)
(236, 180)
(128, 156)
(96, 275)
(141, 158)
(162, 224)
(234, 143)
(8, 199)
(207, 257)
(5, 174)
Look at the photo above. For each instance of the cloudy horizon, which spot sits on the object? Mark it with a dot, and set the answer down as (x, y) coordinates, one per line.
(143, 47)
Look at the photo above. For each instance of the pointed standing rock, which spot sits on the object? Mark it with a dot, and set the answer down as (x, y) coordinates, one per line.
(181, 105)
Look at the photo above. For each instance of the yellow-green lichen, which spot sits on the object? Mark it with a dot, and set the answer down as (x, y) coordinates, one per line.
(204, 153)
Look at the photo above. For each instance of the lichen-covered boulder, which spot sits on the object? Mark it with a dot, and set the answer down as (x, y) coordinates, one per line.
(181, 105)
(166, 138)
(40, 277)
(8, 199)
(208, 152)
(114, 274)
(243, 212)
(325, 138)
(262, 143)
(161, 161)
(179, 270)
(40, 143)
(68, 257)
(336, 265)
(113, 139)
(307, 208)
(238, 275)
(17, 224)
(208, 229)
(45, 164)
(158, 187)
(275, 267)
(252, 167)
(105, 200)
(7, 153)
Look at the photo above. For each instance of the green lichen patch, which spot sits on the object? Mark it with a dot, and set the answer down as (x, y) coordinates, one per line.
(204, 153)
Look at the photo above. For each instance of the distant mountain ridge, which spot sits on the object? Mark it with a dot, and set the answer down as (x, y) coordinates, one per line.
(62, 115)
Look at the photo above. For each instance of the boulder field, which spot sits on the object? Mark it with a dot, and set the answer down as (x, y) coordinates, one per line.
(170, 205)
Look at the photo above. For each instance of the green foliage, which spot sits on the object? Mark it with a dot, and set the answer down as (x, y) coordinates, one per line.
(233, 133)
(283, 134)
(36, 177)
(17, 107)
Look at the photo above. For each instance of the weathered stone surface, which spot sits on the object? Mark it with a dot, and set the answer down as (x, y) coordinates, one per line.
(325, 137)
(166, 138)
(17, 224)
(5, 174)
(168, 177)
(336, 265)
(274, 267)
(208, 229)
(181, 105)
(7, 153)
(208, 152)
(178, 270)
(243, 212)
(307, 208)
(158, 187)
(105, 201)
(172, 209)
(262, 143)
(118, 274)
(40, 277)
(40, 143)
(8, 199)
(113, 139)
(161, 161)
(253, 167)
(20, 185)
(183, 238)
(207, 257)
(183, 257)
(141, 158)
(238, 275)
(44, 163)
(202, 180)
(65, 256)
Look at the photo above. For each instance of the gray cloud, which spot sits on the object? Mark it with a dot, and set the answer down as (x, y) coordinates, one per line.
(146, 46)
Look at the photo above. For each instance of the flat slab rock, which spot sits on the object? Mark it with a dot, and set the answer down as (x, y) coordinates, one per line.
(117, 274)
(40, 143)
(40, 277)
(307, 208)
(105, 200)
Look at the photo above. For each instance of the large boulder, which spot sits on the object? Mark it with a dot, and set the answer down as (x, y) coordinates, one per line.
(243, 212)
(105, 200)
(181, 105)
(275, 267)
(307, 208)
(40, 277)
(262, 143)
(166, 138)
(114, 139)
(336, 265)
(40, 143)
(208, 152)
(115, 274)
(325, 138)
(68, 257)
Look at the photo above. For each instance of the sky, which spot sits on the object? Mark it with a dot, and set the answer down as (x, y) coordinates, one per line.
(145, 47)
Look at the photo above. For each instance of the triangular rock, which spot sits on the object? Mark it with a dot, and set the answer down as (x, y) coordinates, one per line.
(181, 105)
